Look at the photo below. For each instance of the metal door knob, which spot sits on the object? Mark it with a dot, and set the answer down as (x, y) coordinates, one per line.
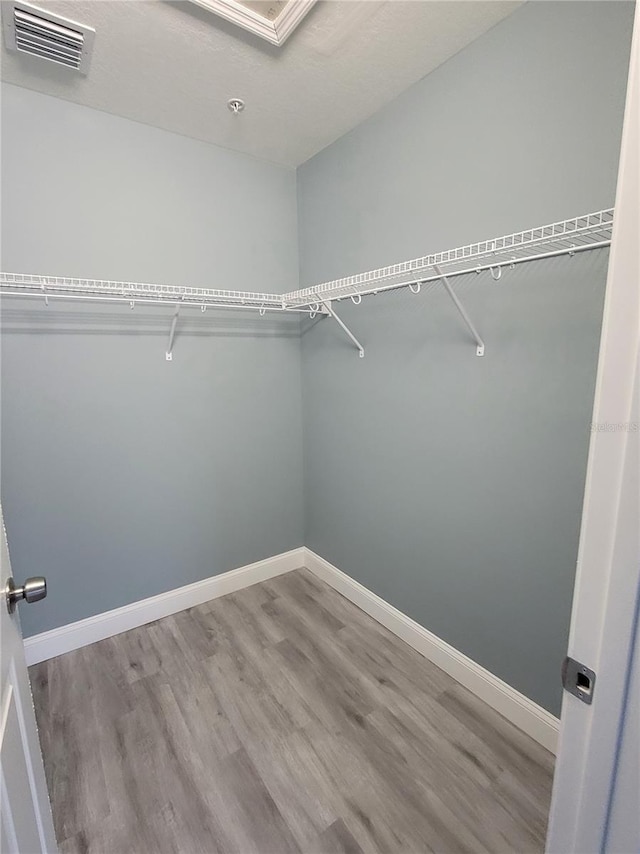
(32, 590)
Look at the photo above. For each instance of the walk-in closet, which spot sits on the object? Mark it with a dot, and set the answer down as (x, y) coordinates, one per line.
(319, 426)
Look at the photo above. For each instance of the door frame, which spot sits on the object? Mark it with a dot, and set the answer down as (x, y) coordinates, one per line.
(604, 613)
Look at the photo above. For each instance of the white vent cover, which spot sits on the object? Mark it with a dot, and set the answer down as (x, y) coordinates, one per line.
(28, 29)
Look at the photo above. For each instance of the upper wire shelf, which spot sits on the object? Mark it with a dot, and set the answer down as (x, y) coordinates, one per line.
(589, 231)
(26, 284)
(569, 236)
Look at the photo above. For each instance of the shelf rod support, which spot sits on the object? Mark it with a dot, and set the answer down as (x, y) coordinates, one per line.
(462, 311)
(344, 328)
(172, 334)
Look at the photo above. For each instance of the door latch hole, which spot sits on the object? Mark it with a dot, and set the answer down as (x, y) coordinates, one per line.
(583, 683)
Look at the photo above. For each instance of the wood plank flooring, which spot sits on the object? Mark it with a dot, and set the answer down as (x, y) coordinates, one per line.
(279, 719)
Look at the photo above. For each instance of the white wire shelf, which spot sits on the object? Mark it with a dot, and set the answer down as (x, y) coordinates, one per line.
(26, 284)
(590, 231)
(569, 236)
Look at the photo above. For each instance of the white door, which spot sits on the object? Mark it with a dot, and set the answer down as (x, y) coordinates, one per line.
(26, 825)
(596, 796)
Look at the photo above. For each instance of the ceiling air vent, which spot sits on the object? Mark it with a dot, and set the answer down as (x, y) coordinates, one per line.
(28, 29)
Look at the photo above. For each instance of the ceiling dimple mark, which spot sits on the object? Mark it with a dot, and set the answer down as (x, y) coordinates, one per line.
(174, 66)
(269, 9)
(356, 15)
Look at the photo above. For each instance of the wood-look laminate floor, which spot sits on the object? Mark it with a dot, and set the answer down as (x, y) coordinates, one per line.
(279, 719)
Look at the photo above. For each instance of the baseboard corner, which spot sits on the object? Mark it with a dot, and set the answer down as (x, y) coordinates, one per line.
(81, 633)
(524, 713)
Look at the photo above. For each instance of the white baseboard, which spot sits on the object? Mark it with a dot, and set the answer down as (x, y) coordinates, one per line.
(74, 635)
(524, 713)
(514, 706)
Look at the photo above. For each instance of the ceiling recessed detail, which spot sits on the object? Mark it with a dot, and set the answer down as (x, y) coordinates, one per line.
(273, 20)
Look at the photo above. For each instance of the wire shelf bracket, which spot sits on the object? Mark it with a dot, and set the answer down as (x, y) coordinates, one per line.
(462, 311)
(344, 327)
(172, 334)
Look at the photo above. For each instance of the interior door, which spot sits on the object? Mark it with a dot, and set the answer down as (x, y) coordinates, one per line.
(595, 806)
(26, 825)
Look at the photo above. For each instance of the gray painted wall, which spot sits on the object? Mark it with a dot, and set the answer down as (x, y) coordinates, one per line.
(448, 484)
(124, 475)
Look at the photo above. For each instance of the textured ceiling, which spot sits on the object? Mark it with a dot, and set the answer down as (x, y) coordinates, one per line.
(174, 65)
